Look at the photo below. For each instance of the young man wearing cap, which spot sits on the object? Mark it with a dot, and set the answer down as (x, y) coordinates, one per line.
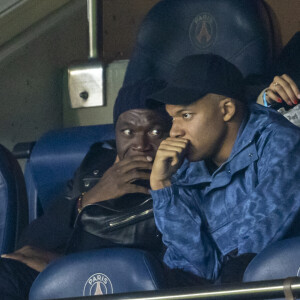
(117, 173)
(225, 184)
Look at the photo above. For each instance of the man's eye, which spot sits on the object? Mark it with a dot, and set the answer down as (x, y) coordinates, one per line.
(187, 116)
(127, 131)
(155, 132)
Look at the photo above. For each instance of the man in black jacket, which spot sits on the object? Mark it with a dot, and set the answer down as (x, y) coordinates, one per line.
(114, 174)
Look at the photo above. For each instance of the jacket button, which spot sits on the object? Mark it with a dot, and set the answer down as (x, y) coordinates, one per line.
(250, 154)
(86, 184)
(229, 171)
(96, 172)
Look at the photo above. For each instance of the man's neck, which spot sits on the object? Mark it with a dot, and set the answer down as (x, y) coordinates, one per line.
(231, 135)
(211, 166)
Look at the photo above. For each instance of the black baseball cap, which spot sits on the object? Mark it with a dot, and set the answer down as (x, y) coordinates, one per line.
(198, 75)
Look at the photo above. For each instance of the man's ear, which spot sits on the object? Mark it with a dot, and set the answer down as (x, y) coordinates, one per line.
(228, 109)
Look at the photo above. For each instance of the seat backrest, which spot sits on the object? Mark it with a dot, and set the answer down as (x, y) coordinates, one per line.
(238, 30)
(277, 261)
(54, 159)
(106, 271)
(13, 201)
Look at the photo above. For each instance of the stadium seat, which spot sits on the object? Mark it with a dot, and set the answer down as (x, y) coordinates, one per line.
(277, 261)
(101, 272)
(238, 30)
(13, 204)
(54, 159)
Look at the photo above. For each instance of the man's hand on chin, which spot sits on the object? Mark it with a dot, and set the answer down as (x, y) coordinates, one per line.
(168, 160)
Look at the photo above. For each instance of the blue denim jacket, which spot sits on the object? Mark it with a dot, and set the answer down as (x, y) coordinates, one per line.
(250, 201)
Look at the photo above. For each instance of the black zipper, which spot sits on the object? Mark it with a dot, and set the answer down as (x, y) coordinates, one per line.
(126, 219)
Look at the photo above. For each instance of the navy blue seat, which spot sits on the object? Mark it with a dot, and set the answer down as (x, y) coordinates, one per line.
(238, 30)
(54, 159)
(13, 201)
(106, 271)
(277, 261)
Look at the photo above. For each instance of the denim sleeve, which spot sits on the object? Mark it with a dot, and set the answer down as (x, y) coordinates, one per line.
(189, 248)
(272, 210)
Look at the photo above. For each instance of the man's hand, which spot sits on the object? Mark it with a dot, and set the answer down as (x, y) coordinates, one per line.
(33, 257)
(119, 179)
(168, 160)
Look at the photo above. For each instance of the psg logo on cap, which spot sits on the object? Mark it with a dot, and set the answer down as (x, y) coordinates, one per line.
(203, 31)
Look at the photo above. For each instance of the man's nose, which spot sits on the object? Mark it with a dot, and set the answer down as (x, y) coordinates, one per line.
(176, 131)
(141, 143)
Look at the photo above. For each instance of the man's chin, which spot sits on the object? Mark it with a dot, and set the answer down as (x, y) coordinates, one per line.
(192, 157)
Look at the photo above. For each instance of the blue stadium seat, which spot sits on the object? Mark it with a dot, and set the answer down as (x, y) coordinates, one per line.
(13, 204)
(238, 30)
(54, 159)
(277, 261)
(106, 271)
